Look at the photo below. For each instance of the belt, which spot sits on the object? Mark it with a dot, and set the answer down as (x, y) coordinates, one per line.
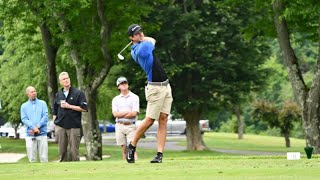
(126, 123)
(164, 83)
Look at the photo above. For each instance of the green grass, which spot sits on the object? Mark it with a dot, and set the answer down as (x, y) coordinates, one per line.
(234, 168)
(176, 165)
(252, 142)
(19, 146)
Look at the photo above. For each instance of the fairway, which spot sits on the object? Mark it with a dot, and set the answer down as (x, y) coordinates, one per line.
(176, 164)
(217, 168)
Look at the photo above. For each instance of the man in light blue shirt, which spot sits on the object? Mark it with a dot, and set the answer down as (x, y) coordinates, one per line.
(34, 115)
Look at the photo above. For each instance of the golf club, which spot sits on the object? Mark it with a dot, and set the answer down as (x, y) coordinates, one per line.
(119, 54)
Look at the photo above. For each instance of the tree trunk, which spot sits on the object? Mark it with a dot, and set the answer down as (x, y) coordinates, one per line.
(237, 112)
(51, 54)
(308, 100)
(90, 127)
(194, 136)
(287, 139)
(92, 135)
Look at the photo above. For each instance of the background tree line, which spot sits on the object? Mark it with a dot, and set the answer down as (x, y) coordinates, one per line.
(219, 55)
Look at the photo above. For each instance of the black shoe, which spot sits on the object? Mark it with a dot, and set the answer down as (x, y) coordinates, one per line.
(130, 153)
(157, 159)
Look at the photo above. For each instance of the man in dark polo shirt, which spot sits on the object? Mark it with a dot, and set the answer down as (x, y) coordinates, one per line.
(67, 107)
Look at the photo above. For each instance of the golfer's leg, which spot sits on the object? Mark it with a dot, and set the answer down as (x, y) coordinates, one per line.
(152, 106)
(146, 123)
(131, 130)
(163, 119)
(162, 132)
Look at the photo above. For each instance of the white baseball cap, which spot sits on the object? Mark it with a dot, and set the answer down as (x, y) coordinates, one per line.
(121, 80)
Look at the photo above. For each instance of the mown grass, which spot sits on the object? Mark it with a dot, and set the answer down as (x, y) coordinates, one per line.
(252, 142)
(227, 168)
(176, 165)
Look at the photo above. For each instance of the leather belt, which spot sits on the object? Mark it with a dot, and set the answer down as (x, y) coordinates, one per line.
(164, 83)
(126, 123)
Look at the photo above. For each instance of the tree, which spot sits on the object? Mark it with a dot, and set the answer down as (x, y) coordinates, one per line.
(31, 14)
(208, 60)
(291, 24)
(282, 118)
(1, 41)
(19, 68)
(288, 19)
(90, 25)
(89, 31)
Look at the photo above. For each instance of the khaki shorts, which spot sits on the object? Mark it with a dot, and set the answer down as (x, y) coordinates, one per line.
(124, 133)
(159, 100)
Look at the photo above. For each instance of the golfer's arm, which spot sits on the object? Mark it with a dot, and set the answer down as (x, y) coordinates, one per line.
(153, 41)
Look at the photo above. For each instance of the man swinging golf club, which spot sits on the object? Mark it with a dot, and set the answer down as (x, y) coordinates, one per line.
(158, 92)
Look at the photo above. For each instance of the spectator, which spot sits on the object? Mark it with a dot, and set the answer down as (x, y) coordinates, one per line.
(125, 108)
(67, 107)
(34, 115)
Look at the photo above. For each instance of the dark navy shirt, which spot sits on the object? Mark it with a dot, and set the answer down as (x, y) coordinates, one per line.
(68, 118)
(143, 54)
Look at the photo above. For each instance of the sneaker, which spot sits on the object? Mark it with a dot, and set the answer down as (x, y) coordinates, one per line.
(130, 153)
(157, 159)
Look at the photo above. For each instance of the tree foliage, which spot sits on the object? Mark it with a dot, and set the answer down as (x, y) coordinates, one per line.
(21, 65)
(85, 33)
(278, 117)
(208, 59)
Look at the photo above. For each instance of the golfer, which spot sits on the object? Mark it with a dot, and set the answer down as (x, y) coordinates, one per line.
(158, 92)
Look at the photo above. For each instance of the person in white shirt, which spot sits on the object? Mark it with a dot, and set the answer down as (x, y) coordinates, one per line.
(125, 108)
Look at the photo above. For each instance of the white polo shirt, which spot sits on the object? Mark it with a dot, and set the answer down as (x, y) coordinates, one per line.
(129, 102)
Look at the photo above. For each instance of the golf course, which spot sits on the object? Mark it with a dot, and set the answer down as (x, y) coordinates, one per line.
(207, 164)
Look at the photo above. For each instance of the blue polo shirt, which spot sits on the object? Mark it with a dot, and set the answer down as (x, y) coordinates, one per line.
(143, 54)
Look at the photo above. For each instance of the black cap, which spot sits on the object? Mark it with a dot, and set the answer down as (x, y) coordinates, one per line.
(134, 29)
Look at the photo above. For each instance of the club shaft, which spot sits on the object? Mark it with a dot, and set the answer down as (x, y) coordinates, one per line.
(125, 47)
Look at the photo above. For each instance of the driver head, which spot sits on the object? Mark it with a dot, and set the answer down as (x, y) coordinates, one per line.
(120, 57)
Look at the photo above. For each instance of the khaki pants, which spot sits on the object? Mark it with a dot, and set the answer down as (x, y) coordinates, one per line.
(69, 142)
